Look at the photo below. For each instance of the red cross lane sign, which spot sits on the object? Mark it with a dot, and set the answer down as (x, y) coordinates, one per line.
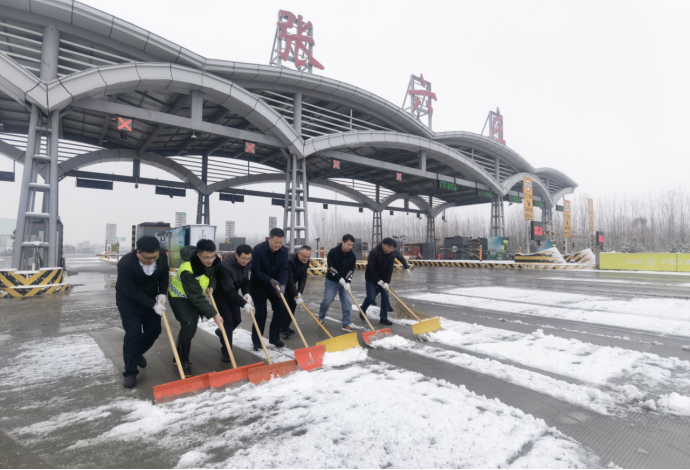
(336, 164)
(249, 147)
(398, 176)
(124, 124)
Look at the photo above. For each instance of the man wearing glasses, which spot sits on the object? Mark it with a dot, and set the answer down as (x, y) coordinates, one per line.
(233, 273)
(188, 289)
(142, 281)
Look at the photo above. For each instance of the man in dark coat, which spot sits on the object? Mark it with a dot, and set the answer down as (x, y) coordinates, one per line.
(269, 275)
(188, 289)
(298, 265)
(378, 275)
(233, 273)
(142, 282)
(341, 266)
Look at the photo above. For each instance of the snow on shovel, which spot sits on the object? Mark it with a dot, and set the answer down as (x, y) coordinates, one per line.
(307, 358)
(372, 335)
(236, 374)
(422, 326)
(179, 387)
(339, 343)
(263, 373)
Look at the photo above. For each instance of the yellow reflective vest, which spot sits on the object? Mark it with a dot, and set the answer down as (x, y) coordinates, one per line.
(176, 289)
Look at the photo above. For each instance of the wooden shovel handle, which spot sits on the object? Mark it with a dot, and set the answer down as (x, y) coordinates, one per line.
(225, 335)
(402, 303)
(172, 343)
(316, 320)
(292, 316)
(360, 310)
(261, 338)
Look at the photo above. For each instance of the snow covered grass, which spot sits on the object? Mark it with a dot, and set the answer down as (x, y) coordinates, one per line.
(366, 414)
(48, 360)
(658, 315)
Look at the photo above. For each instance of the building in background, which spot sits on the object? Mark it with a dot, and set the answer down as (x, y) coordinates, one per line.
(7, 227)
(110, 234)
(229, 229)
(272, 223)
(180, 219)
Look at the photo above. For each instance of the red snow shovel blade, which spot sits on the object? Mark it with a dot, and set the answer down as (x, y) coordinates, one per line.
(310, 358)
(218, 379)
(256, 375)
(370, 336)
(179, 387)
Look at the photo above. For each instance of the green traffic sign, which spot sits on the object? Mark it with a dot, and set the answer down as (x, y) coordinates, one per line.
(483, 193)
(559, 208)
(446, 185)
(514, 199)
(538, 204)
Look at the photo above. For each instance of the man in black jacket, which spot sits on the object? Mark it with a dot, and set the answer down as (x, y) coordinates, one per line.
(341, 266)
(142, 282)
(233, 274)
(269, 272)
(378, 275)
(298, 264)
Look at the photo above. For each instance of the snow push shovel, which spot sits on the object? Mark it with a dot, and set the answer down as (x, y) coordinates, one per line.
(423, 326)
(263, 373)
(236, 374)
(339, 343)
(179, 387)
(372, 335)
(307, 358)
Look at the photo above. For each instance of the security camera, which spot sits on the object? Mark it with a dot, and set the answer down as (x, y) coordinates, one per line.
(136, 185)
(193, 135)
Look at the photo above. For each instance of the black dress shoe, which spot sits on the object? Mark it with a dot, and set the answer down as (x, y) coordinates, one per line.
(286, 334)
(385, 322)
(130, 381)
(187, 370)
(292, 332)
(141, 362)
(278, 344)
(257, 347)
(226, 356)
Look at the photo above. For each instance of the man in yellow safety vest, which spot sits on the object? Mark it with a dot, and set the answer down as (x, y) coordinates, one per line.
(187, 294)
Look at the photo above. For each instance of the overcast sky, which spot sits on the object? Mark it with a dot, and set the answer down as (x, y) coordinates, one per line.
(598, 90)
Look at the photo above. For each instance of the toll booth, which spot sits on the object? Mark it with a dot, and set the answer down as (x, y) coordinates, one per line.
(150, 228)
(479, 248)
(498, 248)
(456, 248)
(174, 239)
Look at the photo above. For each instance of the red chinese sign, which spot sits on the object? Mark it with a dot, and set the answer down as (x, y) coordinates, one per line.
(497, 127)
(300, 39)
(124, 124)
(249, 147)
(336, 164)
(424, 97)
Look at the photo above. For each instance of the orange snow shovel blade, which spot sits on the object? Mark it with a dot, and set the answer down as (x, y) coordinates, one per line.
(310, 358)
(260, 374)
(369, 336)
(218, 379)
(179, 387)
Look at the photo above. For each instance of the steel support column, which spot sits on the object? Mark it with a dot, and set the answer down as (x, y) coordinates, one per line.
(36, 163)
(377, 226)
(297, 113)
(497, 219)
(203, 207)
(296, 200)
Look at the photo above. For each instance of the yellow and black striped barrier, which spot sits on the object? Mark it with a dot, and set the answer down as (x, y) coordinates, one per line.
(15, 284)
(493, 265)
(318, 266)
(584, 256)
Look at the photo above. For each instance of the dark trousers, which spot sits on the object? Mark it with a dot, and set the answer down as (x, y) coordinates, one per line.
(141, 331)
(287, 320)
(188, 317)
(231, 319)
(372, 290)
(261, 300)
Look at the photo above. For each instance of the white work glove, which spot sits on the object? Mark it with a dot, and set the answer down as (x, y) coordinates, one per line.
(342, 282)
(158, 308)
(408, 271)
(248, 298)
(347, 286)
(380, 283)
(247, 308)
(161, 298)
(383, 284)
(299, 301)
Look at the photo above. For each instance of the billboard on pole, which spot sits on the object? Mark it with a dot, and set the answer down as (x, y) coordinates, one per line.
(528, 203)
(567, 225)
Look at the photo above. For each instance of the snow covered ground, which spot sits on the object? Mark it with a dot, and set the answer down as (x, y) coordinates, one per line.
(665, 316)
(353, 413)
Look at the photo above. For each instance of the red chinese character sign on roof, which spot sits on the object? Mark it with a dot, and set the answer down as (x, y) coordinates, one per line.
(495, 120)
(297, 47)
(421, 97)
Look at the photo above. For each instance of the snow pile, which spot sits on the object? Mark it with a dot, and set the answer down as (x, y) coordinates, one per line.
(367, 415)
(669, 314)
(52, 359)
(344, 358)
(242, 339)
(674, 404)
(392, 342)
